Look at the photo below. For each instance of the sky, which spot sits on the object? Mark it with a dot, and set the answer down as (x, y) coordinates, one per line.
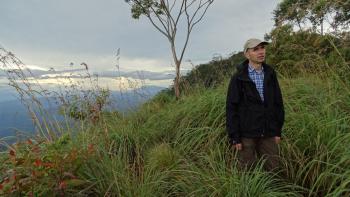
(64, 33)
(54, 37)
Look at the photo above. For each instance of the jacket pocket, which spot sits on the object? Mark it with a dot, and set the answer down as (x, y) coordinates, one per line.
(254, 119)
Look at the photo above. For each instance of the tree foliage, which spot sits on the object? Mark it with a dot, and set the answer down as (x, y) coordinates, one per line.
(306, 51)
(315, 12)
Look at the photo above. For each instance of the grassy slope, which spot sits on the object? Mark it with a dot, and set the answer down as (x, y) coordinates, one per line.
(180, 148)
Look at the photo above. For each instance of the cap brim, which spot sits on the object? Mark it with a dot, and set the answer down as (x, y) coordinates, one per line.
(263, 43)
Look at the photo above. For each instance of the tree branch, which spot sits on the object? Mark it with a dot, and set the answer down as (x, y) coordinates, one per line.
(204, 12)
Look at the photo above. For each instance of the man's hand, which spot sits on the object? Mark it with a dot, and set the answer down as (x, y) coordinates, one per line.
(277, 139)
(237, 146)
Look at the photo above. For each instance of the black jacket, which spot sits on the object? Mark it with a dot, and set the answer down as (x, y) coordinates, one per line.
(246, 114)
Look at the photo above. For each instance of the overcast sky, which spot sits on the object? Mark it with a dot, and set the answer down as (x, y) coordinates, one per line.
(53, 33)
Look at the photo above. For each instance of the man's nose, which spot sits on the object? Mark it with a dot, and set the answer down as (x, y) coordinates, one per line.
(261, 51)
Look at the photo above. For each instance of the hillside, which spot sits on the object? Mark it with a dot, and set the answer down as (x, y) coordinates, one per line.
(179, 148)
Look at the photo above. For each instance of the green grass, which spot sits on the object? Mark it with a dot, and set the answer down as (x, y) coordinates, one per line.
(179, 148)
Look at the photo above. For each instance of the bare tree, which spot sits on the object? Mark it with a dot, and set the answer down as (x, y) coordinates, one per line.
(167, 16)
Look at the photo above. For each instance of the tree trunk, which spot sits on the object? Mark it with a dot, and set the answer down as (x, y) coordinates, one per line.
(177, 80)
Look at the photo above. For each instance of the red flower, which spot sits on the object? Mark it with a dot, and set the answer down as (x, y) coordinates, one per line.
(29, 142)
(38, 163)
(1, 187)
(62, 185)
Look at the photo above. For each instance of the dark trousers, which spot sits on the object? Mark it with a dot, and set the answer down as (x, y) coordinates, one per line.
(255, 148)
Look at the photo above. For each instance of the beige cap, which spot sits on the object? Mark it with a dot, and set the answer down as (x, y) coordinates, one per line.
(253, 42)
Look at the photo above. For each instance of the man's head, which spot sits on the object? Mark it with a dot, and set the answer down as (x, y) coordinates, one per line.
(254, 50)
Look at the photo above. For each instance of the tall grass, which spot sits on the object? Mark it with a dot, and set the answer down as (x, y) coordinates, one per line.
(179, 148)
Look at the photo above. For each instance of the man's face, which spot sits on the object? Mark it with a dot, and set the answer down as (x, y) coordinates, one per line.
(256, 54)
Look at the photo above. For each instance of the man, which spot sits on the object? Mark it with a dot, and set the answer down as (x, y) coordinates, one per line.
(254, 109)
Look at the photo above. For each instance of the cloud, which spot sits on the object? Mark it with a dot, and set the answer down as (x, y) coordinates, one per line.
(36, 67)
(56, 33)
(77, 71)
(124, 80)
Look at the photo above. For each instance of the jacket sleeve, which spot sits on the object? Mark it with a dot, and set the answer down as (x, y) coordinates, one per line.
(279, 104)
(232, 114)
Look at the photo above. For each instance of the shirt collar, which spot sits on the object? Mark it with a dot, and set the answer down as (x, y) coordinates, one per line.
(252, 69)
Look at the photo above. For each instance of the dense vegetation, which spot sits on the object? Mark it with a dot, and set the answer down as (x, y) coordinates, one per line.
(172, 147)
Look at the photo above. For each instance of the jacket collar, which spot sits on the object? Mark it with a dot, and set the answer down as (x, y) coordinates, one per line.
(243, 71)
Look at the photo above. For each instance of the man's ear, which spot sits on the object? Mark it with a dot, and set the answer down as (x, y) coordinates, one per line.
(246, 54)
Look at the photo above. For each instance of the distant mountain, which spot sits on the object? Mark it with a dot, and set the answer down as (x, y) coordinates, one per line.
(14, 115)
